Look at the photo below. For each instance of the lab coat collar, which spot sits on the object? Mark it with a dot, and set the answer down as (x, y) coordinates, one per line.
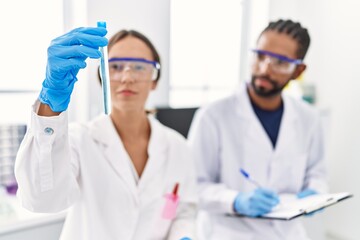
(289, 128)
(102, 130)
(158, 151)
(245, 110)
(288, 122)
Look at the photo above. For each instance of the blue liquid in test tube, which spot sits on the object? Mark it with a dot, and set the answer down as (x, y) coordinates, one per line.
(104, 74)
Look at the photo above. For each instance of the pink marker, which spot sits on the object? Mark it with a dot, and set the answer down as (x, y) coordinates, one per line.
(172, 201)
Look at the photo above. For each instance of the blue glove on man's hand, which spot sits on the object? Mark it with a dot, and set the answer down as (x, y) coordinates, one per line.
(66, 56)
(256, 203)
(306, 193)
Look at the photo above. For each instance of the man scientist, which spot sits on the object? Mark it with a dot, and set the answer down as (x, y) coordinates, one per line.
(275, 138)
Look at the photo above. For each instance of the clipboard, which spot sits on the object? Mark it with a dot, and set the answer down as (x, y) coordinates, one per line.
(291, 207)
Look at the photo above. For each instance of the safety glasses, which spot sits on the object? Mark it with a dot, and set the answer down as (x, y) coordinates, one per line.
(141, 70)
(277, 62)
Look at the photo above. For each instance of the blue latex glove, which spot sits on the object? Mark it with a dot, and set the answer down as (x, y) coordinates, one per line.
(66, 56)
(306, 193)
(256, 203)
(185, 238)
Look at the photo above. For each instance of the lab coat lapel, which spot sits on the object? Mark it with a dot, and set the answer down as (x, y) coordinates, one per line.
(157, 151)
(288, 128)
(104, 131)
(252, 128)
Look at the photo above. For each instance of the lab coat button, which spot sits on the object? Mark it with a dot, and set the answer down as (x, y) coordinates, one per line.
(48, 131)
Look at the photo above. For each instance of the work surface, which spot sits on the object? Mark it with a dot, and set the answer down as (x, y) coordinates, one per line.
(14, 218)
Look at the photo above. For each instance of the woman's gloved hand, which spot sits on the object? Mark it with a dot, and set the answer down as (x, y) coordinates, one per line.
(66, 56)
(256, 203)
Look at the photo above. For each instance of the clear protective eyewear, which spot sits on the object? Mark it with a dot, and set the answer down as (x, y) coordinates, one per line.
(277, 62)
(141, 70)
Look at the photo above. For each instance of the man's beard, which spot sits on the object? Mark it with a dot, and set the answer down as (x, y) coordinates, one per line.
(262, 92)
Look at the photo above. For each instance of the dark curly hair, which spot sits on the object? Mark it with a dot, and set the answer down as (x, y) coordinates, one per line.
(294, 30)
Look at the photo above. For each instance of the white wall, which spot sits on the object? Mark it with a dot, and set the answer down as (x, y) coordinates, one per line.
(23, 53)
(333, 68)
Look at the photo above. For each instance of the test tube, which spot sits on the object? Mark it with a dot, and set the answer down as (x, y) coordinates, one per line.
(104, 74)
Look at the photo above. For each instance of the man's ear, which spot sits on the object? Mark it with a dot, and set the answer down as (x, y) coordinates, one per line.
(298, 71)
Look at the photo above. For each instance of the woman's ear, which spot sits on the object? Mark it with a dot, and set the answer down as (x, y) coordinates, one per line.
(298, 71)
(98, 74)
(154, 84)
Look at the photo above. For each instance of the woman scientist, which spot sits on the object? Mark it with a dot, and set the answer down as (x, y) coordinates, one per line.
(115, 171)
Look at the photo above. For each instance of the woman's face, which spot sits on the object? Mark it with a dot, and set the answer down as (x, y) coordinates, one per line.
(129, 88)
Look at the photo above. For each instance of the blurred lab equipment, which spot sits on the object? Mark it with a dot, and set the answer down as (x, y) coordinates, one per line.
(10, 139)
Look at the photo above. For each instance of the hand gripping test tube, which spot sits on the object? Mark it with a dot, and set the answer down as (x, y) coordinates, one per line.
(104, 75)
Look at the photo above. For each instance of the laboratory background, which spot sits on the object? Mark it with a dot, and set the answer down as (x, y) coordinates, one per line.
(204, 46)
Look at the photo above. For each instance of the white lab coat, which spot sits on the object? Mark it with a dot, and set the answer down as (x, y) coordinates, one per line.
(227, 135)
(88, 169)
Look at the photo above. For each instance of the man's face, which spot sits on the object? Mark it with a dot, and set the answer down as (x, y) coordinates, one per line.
(271, 69)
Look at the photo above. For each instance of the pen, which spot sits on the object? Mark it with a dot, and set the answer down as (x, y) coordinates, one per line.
(272, 194)
(247, 176)
(172, 201)
(175, 190)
